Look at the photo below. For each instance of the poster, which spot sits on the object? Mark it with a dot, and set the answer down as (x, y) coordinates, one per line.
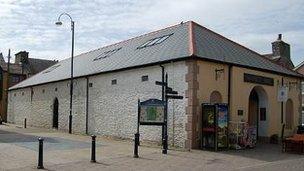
(152, 112)
(282, 93)
(222, 127)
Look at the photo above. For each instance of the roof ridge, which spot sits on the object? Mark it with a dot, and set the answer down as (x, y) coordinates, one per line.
(299, 65)
(192, 49)
(242, 46)
(43, 59)
(146, 34)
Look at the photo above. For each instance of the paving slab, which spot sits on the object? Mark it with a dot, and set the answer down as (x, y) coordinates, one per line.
(18, 151)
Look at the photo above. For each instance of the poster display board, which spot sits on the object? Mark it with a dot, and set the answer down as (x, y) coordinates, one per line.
(208, 126)
(222, 125)
(214, 126)
(151, 112)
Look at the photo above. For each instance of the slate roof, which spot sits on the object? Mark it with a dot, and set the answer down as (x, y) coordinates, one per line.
(36, 65)
(188, 39)
(14, 68)
(299, 66)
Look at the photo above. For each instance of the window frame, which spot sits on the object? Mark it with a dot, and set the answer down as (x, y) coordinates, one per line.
(155, 41)
(144, 78)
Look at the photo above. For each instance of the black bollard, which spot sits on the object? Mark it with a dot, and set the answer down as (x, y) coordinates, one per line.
(93, 152)
(40, 155)
(24, 122)
(165, 145)
(136, 143)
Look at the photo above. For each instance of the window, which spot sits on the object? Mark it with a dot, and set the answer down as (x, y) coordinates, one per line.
(155, 41)
(114, 82)
(263, 114)
(43, 90)
(90, 84)
(56, 89)
(50, 69)
(22, 93)
(15, 79)
(240, 112)
(144, 78)
(106, 54)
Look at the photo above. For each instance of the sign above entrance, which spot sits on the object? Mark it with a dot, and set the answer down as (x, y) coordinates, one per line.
(250, 78)
(282, 94)
(152, 112)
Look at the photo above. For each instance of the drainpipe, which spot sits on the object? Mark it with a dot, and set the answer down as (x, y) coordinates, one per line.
(229, 90)
(282, 107)
(87, 105)
(7, 84)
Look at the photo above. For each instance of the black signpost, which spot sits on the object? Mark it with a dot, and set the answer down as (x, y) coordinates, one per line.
(168, 94)
(155, 112)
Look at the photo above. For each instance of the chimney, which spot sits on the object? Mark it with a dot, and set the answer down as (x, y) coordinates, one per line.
(280, 48)
(21, 57)
(281, 53)
(280, 37)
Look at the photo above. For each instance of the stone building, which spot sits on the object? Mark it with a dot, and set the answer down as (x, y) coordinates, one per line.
(202, 65)
(22, 68)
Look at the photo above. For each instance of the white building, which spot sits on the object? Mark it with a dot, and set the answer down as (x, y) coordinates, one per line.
(202, 65)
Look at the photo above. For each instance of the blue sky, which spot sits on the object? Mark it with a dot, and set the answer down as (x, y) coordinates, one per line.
(29, 24)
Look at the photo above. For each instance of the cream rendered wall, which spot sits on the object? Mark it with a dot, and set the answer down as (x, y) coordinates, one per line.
(240, 92)
(208, 82)
(240, 96)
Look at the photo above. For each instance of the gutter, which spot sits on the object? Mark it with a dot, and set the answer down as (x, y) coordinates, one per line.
(229, 89)
(169, 61)
(87, 106)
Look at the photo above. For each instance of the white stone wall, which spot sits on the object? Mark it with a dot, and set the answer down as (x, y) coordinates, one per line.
(112, 109)
(39, 110)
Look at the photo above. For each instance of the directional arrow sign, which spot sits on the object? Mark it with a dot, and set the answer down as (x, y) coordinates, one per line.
(172, 92)
(160, 83)
(174, 97)
(169, 89)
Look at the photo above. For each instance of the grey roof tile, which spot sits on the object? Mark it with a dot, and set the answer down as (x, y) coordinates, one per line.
(176, 46)
(213, 46)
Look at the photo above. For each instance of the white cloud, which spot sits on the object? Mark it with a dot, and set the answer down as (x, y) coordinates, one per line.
(29, 24)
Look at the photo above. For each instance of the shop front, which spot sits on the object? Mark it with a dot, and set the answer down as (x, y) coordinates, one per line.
(240, 107)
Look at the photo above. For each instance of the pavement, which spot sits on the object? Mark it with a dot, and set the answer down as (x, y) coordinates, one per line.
(62, 151)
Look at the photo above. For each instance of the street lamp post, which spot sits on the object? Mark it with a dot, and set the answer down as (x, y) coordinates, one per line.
(72, 59)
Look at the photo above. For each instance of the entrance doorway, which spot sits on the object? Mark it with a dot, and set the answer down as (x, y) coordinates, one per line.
(258, 111)
(55, 114)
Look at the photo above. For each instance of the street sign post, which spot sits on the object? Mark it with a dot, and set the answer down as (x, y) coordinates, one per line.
(167, 93)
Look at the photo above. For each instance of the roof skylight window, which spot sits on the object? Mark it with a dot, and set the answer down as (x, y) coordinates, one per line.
(51, 69)
(155, 41)
(107, 54)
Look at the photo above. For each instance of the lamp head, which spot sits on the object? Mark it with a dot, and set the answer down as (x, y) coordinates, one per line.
(58, 23)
